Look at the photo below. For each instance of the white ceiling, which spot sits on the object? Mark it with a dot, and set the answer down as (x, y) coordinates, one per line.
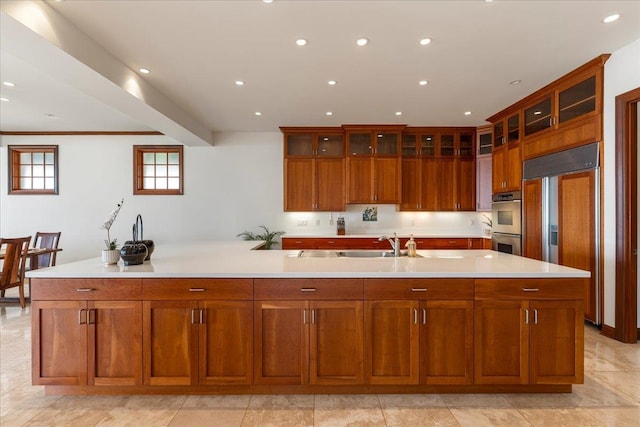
(196, 50)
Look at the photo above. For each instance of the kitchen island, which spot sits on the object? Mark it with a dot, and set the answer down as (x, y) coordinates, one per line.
(218, 317)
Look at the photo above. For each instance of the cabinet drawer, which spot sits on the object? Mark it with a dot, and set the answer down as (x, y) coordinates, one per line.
(539, 289)
(298, 243)
(86, 289)
(455, 243)
(421, 289)
(308, 289)
(197, 289)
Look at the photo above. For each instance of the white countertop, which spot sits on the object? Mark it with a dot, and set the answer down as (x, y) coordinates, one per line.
(236, 259)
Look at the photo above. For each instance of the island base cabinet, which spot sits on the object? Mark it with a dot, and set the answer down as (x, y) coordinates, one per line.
(87, 343)
(419, 342)
(197, 342)
(529, 342)
(308, 342)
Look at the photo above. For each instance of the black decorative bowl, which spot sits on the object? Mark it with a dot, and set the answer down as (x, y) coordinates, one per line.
(133, 253)
(148, 243)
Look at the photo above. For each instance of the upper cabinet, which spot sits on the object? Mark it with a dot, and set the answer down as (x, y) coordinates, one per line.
(506, 162)
(373, 163)
(564, 114)
(314, 169)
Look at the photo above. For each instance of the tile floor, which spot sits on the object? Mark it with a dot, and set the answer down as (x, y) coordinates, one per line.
(609, 397)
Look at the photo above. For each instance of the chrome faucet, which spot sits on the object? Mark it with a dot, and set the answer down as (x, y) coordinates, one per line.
(394, 242)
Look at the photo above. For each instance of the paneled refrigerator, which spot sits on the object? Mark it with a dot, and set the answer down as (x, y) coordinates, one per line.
(561, 215)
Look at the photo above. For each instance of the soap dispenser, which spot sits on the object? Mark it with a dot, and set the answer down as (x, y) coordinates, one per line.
(411, 247)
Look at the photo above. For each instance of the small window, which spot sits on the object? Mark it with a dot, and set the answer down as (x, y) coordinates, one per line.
(33, 169)
(158, 169)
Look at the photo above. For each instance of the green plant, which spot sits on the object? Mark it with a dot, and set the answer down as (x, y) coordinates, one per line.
(268, 236)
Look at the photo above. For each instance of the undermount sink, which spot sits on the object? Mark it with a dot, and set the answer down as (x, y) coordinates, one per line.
(350, 254)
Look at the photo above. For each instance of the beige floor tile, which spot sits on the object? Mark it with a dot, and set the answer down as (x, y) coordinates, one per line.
(125, 417)
(291, 401)
(594, 394)
(289, 417)
(346, 401)
(616, 417)
(155, 402)
(476, 417)
(496, 401)
(17, 416)
(348, 417)
(67, 417)
(217, 402)
(416, 401)
(208, 418)
(541, 400)
(90, 402)
(401, 417)
(627, 383)
(560, 418)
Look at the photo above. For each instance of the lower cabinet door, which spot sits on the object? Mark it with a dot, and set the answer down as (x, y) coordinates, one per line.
(59, 343)
(281, 342)
(391, 342)
(501, 342)
(336, 344)
(446, 342)
(115, 342)
(557, 342)
(170, 341)
(225, 342)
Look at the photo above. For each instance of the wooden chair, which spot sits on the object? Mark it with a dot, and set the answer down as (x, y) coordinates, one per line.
(48, 241)
(14, 264)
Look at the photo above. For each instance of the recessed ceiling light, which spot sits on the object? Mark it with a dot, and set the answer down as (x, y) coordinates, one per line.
(332, 82)
(301, 42)
(4, 99)
(362, 41)
(611, 18)
(51, 116)
(467, 113)
(423, 82)
(398, 113)
(258, 113)
(9, 84)
(267, 1)
(488, 1)
(144, 70)
(239, 83)
(515, 82)
(329, 113)
(425, 41)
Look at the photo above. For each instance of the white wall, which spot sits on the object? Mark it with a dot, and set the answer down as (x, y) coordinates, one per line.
(235, 185)
(622, 74)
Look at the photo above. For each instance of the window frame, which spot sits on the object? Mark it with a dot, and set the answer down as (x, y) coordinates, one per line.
(138, 168)
(13, 155)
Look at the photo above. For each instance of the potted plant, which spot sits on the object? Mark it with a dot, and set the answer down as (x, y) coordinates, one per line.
(268, 236)
(111, 254)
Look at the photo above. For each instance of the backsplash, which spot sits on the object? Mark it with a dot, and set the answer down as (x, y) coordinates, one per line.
(388, 221)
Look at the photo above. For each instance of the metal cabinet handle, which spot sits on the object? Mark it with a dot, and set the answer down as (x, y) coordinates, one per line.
(415, 316)
(193, 316)
(80, 322)
(201, 316)
(419, 289)
(197, 289)
(424, 316)
(313, 316)
(91, 316)
(535, 316)
(307, 289)
(526, 316)
(530, 290)
(304, 316)
(85, 289)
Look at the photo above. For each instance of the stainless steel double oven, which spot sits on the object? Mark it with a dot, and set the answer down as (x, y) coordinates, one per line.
(506, 215)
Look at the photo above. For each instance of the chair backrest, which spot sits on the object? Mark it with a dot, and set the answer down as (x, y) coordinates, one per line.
(50, 241)
(15, 259)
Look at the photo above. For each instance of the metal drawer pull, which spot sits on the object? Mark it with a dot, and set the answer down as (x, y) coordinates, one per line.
(307, 289)
(526, 316)
(85, 289)
(197, 289)
(530, 290)
(419, 289)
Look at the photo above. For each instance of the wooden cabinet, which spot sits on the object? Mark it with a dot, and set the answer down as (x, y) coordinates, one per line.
(308, 331)
(438, 169)
(314, 169)
(529, 332)
(346, 243)
(83, 334)
(198, 331)
(373, 163)
(484, 169)
(506, 157)
(418, 331)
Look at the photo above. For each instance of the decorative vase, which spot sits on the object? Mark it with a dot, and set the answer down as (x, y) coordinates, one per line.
(134, 253)
(137, 228)
(110, 256)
